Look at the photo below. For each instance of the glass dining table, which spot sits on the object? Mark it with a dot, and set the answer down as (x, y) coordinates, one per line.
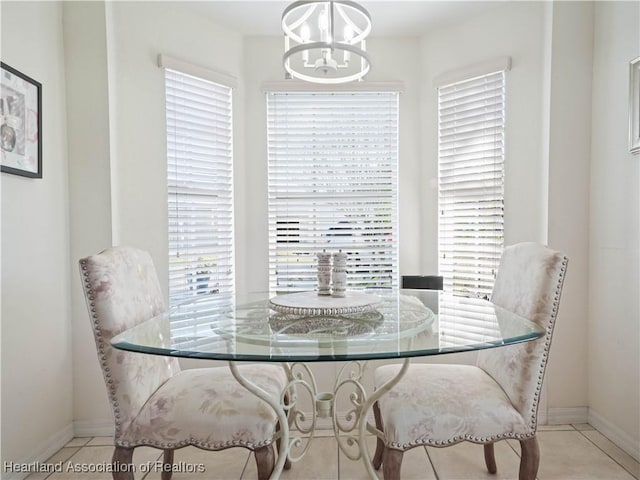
(301, 328)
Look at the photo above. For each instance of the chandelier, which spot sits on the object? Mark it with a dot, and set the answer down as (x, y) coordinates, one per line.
(324, 42)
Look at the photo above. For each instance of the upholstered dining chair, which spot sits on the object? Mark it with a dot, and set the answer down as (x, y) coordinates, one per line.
(496, 399)
(153, 402)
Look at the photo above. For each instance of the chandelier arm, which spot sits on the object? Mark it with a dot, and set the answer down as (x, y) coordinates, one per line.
(362, 33)
(363, 11)
(289, 30)
(347, 20)
(328, 45)
(364, 56)
(328, 81)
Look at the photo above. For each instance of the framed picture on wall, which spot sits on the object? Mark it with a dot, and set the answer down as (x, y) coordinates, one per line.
(634, 106)
(20, 123)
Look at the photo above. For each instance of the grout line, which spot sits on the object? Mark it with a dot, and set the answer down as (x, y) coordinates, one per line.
(513, 448)
(160, 456)
(71, 456)
(246, 463)
(433, 467)
(614, 460)
(80, 446)
(159, 459)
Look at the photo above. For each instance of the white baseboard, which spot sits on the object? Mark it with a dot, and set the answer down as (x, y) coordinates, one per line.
(41, 453)
(622, 439)
(567, 415)
(93, 428)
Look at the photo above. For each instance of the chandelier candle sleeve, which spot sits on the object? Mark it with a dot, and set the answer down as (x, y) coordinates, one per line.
(324, 273)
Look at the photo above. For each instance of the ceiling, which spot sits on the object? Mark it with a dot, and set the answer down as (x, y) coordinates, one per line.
(389, 18)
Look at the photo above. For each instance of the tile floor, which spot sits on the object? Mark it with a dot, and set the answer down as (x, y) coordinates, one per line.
(568, 452)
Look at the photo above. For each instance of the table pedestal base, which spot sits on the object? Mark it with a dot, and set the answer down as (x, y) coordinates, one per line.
(350, 431)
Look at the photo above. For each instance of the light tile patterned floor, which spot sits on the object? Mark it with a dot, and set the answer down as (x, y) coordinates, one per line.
(567, 452)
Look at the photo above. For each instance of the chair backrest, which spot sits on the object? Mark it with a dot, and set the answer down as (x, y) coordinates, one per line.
(122, 290)
(529, 283)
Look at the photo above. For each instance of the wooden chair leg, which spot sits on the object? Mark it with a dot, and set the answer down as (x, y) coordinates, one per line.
(490, 458)
(265, 461)
(529, 459)
(122, 463)
(377, 457)
(391, 464)
(167, 471)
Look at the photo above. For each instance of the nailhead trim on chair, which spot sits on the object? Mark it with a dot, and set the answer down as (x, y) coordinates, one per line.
(100, 344)
(547, 345)
(454, 440)
(534, 410)
(194, 443)
(111, 390)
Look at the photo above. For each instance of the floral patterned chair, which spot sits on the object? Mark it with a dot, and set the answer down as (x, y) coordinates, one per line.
(154, 403)
(441, 405)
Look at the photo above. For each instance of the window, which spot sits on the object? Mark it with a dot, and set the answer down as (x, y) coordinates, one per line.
(333, 184)
(200, 181)
(471, 183)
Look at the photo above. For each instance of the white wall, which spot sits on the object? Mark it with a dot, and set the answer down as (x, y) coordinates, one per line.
(395, 59)
(567, 156)
(90, 199)
(36, 334)
(124, 125)
(139, 32)
(117, 181)
(614, 287)
(515, 30)
(533, 38)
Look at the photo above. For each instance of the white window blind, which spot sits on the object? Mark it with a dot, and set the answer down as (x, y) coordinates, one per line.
(200, 181)
(333, 181)
(471, 183)
(463, 322)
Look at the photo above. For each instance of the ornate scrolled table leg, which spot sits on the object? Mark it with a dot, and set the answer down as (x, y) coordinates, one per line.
(300, 379)
(288, 412)
(278, 407)
(357, 415)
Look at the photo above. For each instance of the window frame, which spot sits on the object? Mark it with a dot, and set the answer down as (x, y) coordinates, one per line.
(362, 266)
(471, 160)
(200, 183)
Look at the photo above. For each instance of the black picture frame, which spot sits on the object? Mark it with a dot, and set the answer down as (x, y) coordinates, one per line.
(634, 106)
(20, 123)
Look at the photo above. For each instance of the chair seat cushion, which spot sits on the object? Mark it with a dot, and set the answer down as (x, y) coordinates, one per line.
(208, 408)
(444, 404)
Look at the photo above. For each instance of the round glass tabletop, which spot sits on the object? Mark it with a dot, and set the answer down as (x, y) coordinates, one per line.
(404, 323)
